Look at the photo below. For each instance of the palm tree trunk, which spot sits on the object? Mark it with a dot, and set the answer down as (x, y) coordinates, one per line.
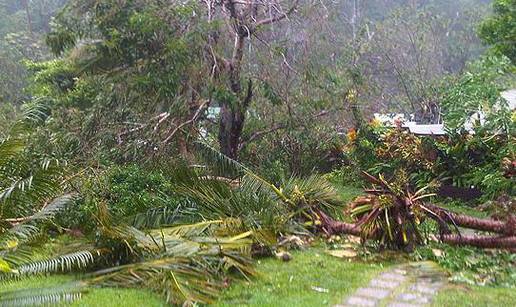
(481, 241)
(501, 227)
(331, 226)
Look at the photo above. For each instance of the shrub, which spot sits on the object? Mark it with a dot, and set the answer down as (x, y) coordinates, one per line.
(129, 190)
(125, 190)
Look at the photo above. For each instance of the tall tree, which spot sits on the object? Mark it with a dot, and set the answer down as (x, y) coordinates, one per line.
(245, 18)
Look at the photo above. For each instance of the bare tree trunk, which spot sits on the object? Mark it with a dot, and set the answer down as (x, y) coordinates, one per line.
(481, 241)
(244, 18)
(27, 12)
(331, 226)
(232, 115)
(230, 129)
(507, 228)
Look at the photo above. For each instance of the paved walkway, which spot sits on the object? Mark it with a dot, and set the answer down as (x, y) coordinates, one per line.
(408, 285)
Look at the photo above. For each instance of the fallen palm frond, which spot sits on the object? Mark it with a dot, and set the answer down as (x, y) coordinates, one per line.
(62, 263)
(13, 254)
(300, 198)
(189, 267)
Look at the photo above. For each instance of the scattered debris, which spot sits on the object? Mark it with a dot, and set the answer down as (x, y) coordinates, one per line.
(285, 256)
(343, 253)
(321, 290)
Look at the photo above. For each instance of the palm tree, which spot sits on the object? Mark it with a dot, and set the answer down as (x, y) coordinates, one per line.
(30, 192)
(188, 254)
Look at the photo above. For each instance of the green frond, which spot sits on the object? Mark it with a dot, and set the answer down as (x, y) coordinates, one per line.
(220, 162)
(36, 111)
(63, 263)
(9, 149)
(26, 229)
(157, 217)
(132, 237)
(42, 296)
(38, 187)
(53, 208)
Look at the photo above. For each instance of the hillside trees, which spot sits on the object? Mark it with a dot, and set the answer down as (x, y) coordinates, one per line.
(416, 45)
(23, 25)
(499, 30)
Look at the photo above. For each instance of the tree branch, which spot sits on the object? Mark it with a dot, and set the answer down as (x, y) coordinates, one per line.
(277, 127)
(191, 120)
(270, 20)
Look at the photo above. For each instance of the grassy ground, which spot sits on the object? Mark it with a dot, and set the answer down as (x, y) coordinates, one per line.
(311, 278)
(93, 297)
(475, 296)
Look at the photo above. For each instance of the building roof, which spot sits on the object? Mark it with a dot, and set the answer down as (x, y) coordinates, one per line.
(510, 96)
(436, 129)
(390, 119)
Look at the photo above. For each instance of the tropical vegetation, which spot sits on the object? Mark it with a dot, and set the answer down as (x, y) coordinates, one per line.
(211, 152)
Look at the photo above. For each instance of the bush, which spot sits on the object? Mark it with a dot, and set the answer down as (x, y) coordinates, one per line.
(126, 190)
(129, 190)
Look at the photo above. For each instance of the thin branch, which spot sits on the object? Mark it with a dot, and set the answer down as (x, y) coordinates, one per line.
(190, 121)
(277, 127)
(277, 18)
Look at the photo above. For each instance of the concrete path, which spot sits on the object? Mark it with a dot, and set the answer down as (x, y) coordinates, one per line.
(408, 285)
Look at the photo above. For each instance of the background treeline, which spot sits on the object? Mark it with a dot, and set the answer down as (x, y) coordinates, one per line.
(133, 80)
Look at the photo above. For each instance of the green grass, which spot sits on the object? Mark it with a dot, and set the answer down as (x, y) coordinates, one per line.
(464, 209)
(279, 284)
(348, 193)
(475, 296)
(290, 283)
(285, 284)
(93, 297)
(120, 298)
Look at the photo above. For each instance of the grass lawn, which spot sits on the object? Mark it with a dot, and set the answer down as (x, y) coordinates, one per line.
(475, 296)
(279, 284)
(93, 297)
(286, 284)
(292, 283)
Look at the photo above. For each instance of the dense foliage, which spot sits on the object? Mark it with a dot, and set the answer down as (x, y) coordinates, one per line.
(498, 30)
